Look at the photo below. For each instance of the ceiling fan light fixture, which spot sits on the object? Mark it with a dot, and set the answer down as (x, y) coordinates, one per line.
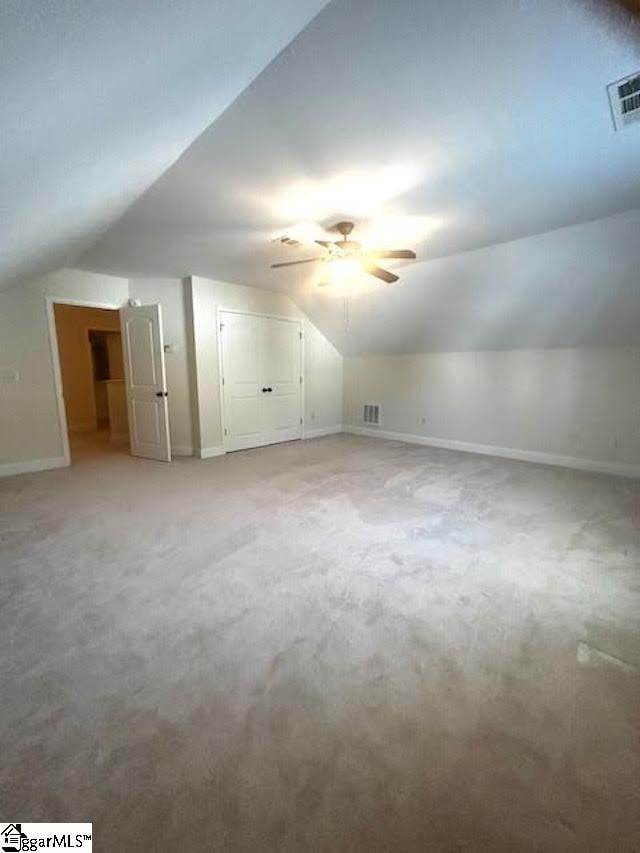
(346, 263)
(343, 269)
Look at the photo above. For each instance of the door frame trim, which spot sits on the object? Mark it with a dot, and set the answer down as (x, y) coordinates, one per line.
(298, 320)
(54, 352)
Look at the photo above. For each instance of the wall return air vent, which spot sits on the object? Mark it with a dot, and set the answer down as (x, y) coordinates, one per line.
(624, 97)
(371, 414)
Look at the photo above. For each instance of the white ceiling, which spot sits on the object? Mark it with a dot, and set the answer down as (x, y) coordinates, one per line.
(99, 97)
(482, 122)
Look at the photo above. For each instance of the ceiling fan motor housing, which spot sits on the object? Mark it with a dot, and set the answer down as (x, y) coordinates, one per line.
(347, 246)
(344, 228)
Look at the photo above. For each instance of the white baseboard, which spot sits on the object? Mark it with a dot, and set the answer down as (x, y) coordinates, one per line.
(181, 450)
(8, 469)
(208, 452)
(619, 469)
(318, 433)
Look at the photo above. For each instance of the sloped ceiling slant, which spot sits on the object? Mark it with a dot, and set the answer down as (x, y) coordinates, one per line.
(99, 97)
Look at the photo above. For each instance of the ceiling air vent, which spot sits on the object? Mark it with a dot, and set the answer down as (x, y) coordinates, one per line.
(624, 97)
(287, 241)
(371, 414)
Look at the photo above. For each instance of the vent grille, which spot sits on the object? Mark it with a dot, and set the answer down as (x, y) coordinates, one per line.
(629, 94)
(287, 241)
(624, 96)
(371, 414)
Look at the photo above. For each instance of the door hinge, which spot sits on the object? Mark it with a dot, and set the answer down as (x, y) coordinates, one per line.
(225, 430)
(301, 380)
(300, 420)
(221, 326)
(223, 380)
(300, 335)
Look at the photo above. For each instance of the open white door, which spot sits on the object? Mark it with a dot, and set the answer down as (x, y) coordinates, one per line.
(145, 381)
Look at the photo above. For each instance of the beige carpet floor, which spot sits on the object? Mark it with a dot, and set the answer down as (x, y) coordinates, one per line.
(335, 645)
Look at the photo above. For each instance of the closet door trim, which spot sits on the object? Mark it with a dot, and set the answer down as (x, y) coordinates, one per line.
(227, 439)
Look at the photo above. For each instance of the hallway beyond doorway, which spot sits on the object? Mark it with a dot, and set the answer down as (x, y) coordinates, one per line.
(89, 346)
(95, 445)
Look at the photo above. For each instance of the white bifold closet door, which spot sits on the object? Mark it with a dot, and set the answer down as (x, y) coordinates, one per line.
(261, 379)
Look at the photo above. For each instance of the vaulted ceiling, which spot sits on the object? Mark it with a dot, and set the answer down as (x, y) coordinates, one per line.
(99, 97)
(459, 129)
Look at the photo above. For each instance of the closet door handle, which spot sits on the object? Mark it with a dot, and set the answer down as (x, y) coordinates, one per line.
(269, 390)
(264, 390)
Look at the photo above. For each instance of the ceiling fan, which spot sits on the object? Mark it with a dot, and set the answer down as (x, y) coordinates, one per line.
(345, 249)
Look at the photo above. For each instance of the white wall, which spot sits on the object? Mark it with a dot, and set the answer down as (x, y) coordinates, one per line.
(324, 367)
(31, 437)
(583, 404)
(323, 363)
(29, 426)
(170, 293)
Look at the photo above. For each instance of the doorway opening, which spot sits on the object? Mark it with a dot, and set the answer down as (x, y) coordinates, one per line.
(91, 361)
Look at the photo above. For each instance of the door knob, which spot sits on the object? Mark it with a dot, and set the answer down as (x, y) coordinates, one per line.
(162, 393)
(264, 390)
(269, 390)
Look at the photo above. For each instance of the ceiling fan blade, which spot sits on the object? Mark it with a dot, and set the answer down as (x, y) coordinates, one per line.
(325, 243)
(393, 253)
(293, 263)
(385, 275)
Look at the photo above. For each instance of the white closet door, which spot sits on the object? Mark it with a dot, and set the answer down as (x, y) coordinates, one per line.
(261, 370)
(145, 381)
(242, 390)
(282, 374)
